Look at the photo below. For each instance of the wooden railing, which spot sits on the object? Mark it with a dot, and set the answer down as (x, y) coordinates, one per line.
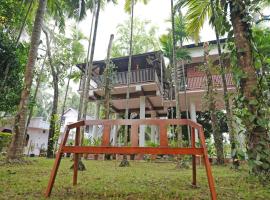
(120, 78)
(200, 82)
(106, 147)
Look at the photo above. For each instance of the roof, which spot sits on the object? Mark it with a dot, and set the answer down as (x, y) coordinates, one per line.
(144, 60)
(200, 82)
(200, 44)
(76, 113)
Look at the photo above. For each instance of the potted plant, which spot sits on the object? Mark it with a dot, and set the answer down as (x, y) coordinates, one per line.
(210, 149)
(96, 142)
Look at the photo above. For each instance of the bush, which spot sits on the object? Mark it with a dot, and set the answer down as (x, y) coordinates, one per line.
(5, 139)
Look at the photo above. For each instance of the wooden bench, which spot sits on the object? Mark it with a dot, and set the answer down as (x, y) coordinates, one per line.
(106, 148)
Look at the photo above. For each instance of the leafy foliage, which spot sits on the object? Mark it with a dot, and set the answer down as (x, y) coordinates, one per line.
(12, 62)
(5, 139)
(144, 39)
(259, 154)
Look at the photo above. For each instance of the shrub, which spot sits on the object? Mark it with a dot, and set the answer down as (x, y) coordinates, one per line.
(5, 139)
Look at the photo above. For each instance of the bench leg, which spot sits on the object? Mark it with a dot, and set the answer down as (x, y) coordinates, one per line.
(53, 174)
(194, 182)
(76, 157)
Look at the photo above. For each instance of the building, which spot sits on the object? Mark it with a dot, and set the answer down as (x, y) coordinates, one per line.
(71, 116)
(38, 131)
(151, 94)
(37, 135)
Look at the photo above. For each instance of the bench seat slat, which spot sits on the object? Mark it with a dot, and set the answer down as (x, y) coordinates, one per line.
(132, 150)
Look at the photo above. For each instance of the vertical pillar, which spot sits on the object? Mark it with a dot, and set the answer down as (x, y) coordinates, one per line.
(157, 135)
(115, 130)
(142, 116)
(153, 128)
(96, 116)
(193, 117)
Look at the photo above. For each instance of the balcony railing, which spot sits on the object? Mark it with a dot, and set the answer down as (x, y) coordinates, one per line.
(120, 78)
(199, 83)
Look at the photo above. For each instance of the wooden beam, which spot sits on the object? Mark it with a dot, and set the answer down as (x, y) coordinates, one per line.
(133, 95)
(138, 109)
(132, 150)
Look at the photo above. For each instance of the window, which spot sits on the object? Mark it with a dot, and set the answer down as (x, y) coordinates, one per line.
(63, 118)
(87, 129)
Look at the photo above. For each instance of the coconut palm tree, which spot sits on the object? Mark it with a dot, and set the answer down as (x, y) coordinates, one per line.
(129, 8)
(210, 97)
(174, 66)
(16, 147)
(257, 134)
(89, 65)
(239, 18)
(198, 12)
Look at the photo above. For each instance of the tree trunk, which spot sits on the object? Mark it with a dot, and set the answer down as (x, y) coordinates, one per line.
(66, 93)
(16, 147)
(176, 83)
(224, 83)
(23, 24)
(107, 80)
(218, 138)
(53, 118)
(258, 139)
(85, 74)
(89, 70)
(124, 162)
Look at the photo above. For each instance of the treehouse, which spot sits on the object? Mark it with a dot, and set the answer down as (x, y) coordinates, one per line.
(151, 92)
(146, 83)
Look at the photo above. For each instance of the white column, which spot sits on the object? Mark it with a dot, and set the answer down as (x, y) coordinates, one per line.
(142, 116)
(157, 134)
(153, 128)
(193, 117)
(96, 116)
(115, 130)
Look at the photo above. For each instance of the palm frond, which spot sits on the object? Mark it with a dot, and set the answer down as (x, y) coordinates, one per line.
(198, 11)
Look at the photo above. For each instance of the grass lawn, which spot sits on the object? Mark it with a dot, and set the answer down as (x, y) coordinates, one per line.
(143, 180)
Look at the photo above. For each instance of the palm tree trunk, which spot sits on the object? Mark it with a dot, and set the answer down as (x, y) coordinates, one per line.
(224, 83)
(66, 92)
(89, 71)
(256, 134)
(212, 108)
(85, 74)
(16, 147)
(53, 118)
(23, 24)
(36, 90)
(107, 81)
(34, 96)
(176, 85)
(124, 162)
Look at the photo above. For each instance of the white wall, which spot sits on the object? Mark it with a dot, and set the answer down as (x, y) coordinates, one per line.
(71, 116)
(38, 138)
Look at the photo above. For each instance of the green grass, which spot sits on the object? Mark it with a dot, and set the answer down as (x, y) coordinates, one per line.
(143, 180)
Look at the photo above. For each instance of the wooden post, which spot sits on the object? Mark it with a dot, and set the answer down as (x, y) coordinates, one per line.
(163, 135)
(134, 136)
(76, 157)
(106, 135)
(56, 164)
(193, 157)
(207, 166)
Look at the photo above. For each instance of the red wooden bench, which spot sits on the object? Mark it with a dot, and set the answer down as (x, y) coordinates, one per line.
(106, 148)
